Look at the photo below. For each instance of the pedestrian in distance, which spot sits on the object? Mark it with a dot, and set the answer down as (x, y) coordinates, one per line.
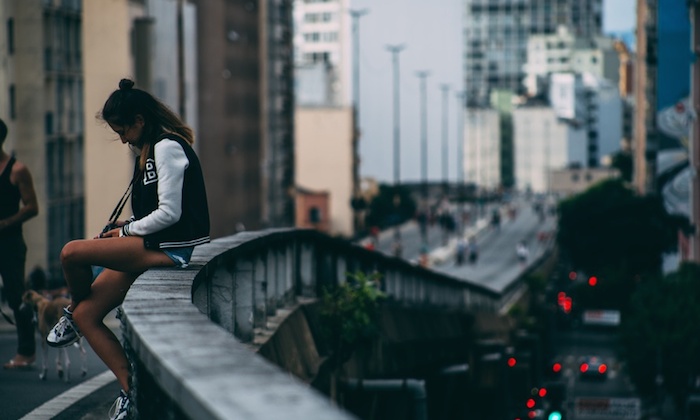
(18, 203)
(170, 217)
(522, 252)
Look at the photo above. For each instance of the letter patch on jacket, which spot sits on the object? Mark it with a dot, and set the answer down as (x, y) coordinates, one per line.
(150, 175)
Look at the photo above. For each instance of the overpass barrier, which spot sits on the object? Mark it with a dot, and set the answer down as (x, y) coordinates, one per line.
(189, 332)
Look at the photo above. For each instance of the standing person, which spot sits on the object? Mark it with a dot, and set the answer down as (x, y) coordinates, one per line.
(16, 187)
(170, 217)
(522, 252)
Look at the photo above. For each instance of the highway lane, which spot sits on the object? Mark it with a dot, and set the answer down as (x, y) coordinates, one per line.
(498, 264)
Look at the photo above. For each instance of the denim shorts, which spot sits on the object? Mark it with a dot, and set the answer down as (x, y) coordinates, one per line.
(181, 256)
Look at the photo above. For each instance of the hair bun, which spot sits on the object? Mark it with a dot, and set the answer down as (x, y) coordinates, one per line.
(125, 84)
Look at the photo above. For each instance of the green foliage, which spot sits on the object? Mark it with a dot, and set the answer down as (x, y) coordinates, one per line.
(392, 206)
(609, 228)
(623, 162)
(349, 313)
(660, 330)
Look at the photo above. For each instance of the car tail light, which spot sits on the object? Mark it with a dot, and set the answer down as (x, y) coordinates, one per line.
(602, 368)
(584, 367)
(556, 368)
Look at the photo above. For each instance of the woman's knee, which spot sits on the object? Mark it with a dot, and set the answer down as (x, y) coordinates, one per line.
(71, 253)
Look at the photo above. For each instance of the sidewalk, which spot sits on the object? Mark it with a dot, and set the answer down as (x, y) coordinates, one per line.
(89, 400)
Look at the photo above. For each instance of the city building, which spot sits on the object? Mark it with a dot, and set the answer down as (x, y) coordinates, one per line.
(482, 148)
(595, 105)
(496, 35)
(324, 161)
(246, 112)
(322, 37)
(41, 101)
(570, 181)
(543, 142)
(564, 52)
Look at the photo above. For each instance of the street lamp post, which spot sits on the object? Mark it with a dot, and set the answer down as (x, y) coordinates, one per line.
(356, 15)
(395, 50)
(423, 75)
(460, 153)
(445, 88)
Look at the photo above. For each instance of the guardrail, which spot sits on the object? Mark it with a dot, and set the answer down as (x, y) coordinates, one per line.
(187, 331)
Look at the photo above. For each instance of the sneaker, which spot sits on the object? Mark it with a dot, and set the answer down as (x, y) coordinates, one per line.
(65, 332)
(120, 408)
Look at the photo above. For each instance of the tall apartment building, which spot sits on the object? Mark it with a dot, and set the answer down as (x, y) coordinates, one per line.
(496, 34)
(41, 87)
(246, 112)
(544, 142)
(322, 39)
(565, 52)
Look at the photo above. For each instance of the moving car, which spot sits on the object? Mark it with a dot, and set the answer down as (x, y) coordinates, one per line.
(593, 367)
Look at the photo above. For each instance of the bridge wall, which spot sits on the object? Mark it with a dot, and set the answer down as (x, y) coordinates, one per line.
(192, 334)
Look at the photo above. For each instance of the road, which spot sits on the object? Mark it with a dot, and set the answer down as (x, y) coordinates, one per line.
(21, 391)
(498, 264)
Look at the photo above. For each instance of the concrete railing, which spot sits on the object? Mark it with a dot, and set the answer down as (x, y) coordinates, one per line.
(188, 331)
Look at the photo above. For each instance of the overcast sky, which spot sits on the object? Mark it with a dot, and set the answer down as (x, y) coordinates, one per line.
(431, 33)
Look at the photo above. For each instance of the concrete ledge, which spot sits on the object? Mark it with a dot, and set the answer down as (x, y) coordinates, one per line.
(202, 368)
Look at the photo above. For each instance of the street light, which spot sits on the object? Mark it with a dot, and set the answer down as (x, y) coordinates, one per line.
(445, 91)
(356, 15)
(423, 75)
(460, 153)
(395, 50)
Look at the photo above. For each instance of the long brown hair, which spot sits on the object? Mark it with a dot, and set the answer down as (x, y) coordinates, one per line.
(125, 103)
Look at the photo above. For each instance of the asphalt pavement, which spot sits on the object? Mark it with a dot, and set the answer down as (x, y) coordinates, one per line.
(23, 395)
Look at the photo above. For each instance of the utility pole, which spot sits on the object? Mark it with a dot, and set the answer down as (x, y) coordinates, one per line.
(182, 93)
(395, 50)
(445, 166)
(356, 15)
(640, 106)
(460, 154)
(423, 75)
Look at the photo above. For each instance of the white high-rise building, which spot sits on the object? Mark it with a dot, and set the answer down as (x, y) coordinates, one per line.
(594, 104)
(322, 37)
(543, 142)
(496, 35)
(565, 52)
(482, 151)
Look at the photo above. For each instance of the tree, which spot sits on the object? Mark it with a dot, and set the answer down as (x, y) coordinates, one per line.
(623, 162)
(393, 205)
(610, 231)
(659, 332)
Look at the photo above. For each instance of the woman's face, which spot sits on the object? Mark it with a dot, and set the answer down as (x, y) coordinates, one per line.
(130, 134)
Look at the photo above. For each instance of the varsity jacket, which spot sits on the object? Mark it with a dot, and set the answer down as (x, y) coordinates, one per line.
(169, 200)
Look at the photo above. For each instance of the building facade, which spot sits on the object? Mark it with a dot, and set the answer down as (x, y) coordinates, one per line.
(246, 112)
(41, 101)
(324, 161)
(482, 149)
(322, 37)
(544, 142)
(496, 35)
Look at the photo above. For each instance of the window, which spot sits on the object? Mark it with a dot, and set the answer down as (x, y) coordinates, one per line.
(314, 215)
(11, 94)
(10, 36)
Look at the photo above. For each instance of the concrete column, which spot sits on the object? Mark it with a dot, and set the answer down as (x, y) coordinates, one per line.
(289, 272)
(244, 300)
(271, 280)
(280, 276)
(341, 269)
(307, 261)
(221, 298)
(260, 292)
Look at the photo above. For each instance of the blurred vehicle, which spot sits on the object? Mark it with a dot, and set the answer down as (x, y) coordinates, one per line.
(592, 367)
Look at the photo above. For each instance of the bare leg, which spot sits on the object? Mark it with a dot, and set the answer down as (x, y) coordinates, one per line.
(107, 293)
(124, 259)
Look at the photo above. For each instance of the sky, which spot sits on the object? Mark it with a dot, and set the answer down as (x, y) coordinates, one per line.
(431, 34)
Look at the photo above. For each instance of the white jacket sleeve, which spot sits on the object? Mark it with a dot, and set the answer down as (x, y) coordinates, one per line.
(171, 163)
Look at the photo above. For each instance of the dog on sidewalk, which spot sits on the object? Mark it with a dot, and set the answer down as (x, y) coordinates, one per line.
(48, 312)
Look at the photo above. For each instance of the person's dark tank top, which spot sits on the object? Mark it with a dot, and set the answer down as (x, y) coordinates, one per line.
(9, 201)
